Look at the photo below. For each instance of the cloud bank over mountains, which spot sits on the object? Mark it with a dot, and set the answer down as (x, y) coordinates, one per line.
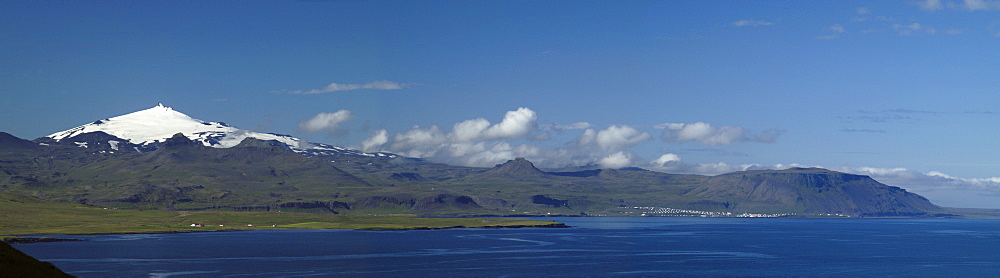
(481, 143)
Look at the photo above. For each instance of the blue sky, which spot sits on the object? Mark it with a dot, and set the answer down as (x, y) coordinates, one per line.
(904, 91)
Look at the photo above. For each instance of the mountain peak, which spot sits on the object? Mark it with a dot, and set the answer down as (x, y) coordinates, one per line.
(178, 140)
(518, 167)
(151, 128)
(155, 125)
(8, 141)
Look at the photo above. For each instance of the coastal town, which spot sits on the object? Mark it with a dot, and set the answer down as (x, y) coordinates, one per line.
(660, 211)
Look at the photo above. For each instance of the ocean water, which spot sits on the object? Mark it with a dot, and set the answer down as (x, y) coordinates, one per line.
(596, 246)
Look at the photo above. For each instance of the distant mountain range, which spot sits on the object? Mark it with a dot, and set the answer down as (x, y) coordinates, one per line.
(159, 158)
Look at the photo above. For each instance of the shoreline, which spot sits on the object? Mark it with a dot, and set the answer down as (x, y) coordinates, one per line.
(27, 238)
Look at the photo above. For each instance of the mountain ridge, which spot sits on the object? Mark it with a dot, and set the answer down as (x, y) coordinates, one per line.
(814, 190)
(184, 171)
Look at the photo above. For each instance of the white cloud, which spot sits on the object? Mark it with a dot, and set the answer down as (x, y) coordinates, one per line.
(751, 23)
(515, 124)
(671, 163)
(968, 5)
(980, 5)
(942, 189)
(334, 87)
(547, 130)
(474, 142)
(837, 28)
(930, 5)
(992, 183)
(837, 31)
(717, 168)
(863, 10)
(477, 142)
(614, 137)
(913, 28)
(932, 180)
(576, 125)
(705, 133)
(665, 159)
(615, 161)
(419, 142)
(326, 121)
(375, 142)
(469, 130)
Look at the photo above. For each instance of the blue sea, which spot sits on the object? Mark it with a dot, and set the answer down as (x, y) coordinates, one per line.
(595, 246)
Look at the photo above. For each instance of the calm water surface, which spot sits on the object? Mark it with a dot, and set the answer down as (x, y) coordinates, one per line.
(597, 246)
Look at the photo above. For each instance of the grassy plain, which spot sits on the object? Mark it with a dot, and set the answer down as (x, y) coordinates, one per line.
(23, 215)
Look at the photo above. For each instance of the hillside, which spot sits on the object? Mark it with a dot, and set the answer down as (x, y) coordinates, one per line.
(182, 174)
(130, 162)
(258, 175)
(517, 186)
(811, 190)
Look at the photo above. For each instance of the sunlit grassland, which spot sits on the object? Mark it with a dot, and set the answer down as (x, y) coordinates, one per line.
(21, 215)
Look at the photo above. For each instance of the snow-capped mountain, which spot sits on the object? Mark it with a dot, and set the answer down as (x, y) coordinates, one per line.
(151, 127)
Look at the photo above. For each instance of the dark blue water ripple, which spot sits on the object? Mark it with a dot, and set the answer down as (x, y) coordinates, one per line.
(607, 246)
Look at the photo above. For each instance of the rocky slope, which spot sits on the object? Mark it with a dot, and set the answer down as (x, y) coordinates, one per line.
(811, 190)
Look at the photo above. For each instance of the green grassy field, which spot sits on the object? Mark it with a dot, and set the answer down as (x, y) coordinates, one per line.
(22, 215)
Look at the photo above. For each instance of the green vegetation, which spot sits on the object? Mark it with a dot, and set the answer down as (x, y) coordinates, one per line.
(265, 178)
(22, 215)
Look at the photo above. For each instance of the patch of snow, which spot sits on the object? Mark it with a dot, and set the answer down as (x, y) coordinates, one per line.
(159, 123)
(81, 144)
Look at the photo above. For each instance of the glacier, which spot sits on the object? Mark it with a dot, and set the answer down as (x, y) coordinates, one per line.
(153, 126)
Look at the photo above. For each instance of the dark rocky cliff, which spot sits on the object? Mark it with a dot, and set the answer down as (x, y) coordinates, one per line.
(14, 263)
